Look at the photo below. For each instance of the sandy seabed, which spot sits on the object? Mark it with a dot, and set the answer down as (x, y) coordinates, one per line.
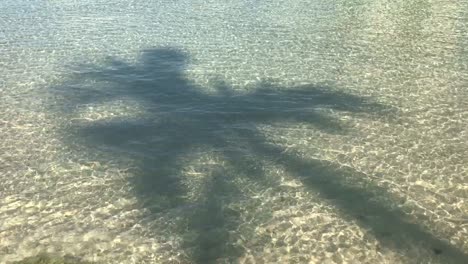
(240, 132)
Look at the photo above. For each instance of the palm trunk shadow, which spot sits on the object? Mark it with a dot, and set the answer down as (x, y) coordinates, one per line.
(214, 222)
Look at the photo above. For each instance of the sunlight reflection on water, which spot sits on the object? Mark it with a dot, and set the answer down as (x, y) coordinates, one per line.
(209, 132)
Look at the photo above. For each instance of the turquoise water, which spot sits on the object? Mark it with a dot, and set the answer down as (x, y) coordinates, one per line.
(234, 131)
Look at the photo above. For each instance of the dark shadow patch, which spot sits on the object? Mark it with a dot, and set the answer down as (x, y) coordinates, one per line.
(181, 118)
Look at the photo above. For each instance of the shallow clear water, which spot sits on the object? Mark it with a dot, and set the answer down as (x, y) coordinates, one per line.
(234, 131)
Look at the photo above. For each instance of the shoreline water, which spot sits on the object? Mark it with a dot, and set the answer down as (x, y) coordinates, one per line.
(214, 132)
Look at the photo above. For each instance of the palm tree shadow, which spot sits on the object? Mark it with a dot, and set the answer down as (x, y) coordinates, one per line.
(180, 118)
(389, 225)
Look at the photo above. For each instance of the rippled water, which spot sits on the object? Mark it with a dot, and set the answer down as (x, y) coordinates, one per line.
(234, 131)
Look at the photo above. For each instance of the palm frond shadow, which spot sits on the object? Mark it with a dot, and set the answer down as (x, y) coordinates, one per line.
(180, 118)
(391, 226)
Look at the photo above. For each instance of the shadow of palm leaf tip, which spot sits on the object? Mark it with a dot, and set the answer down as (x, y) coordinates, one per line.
(180, 119)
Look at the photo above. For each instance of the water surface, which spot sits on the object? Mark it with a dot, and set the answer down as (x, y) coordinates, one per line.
(234, 131)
